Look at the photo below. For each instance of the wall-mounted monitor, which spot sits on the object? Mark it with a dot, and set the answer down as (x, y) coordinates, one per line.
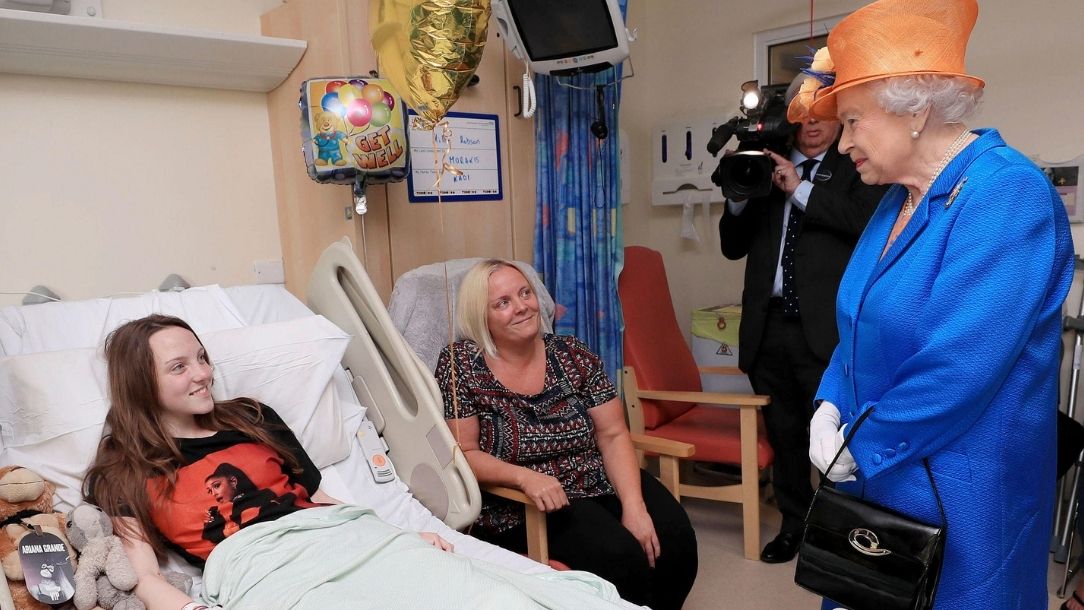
(563, 36)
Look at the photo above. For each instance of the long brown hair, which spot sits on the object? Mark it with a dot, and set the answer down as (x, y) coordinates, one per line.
(137, 446)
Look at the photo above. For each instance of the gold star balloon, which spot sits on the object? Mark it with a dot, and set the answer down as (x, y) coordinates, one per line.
(429, 49)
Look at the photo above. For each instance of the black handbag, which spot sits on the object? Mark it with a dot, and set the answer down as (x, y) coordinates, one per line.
(868, 557)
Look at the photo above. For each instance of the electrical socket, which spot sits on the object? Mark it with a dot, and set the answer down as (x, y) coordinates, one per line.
(269, 272)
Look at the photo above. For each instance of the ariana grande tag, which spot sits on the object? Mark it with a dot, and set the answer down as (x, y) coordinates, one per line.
(48, 572)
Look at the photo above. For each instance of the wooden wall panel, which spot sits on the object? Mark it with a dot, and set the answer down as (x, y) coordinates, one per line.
(521, 166)
(312, 215)
(424, 233)
(395, 235)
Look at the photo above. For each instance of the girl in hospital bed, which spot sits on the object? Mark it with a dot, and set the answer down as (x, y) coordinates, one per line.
(229, 487)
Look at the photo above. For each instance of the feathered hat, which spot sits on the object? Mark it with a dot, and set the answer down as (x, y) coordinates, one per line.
(882, 39)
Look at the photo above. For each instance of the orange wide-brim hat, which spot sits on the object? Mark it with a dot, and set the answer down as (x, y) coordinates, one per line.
(883, 39)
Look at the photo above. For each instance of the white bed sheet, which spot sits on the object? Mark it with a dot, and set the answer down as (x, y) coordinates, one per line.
(351, 481)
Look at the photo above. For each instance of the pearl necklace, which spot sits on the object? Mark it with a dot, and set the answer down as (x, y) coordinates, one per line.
(909, 204)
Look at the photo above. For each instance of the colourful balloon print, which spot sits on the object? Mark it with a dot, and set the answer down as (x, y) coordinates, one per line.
(373, 93)
(331, 103)
(349, 93)
(360, 113)
(381, 114)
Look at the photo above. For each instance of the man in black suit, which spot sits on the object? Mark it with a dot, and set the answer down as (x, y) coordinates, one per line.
(796, 241)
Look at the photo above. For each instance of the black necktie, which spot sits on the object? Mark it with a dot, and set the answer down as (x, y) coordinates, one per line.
(790, 295)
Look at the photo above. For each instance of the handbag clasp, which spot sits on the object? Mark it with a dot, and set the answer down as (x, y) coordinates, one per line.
(865, 541)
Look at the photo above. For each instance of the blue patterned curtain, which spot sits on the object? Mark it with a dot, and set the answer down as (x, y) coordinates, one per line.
(578, 244)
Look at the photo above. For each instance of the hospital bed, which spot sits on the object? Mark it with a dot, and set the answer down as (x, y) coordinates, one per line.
(267, 345)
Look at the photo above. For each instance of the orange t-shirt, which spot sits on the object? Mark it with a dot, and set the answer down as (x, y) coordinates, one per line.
(227, 483)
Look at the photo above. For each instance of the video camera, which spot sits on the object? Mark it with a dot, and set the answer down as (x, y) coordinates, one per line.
(748, 172)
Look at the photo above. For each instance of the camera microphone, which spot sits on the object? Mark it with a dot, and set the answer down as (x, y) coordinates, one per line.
(721, 135)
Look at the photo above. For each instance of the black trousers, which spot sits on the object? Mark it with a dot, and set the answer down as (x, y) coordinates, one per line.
(789, 372)
(588, 535)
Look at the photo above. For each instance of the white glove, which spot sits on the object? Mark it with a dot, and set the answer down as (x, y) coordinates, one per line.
(825, 439)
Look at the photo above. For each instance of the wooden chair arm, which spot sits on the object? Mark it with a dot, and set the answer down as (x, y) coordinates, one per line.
(508, 493)
(537, 540)
(721, 370)
(662, 446)
(743, 401)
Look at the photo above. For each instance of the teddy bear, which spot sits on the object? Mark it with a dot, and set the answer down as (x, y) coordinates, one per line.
(25, 499)
(105, 577)
(110, 598)
(100, 554)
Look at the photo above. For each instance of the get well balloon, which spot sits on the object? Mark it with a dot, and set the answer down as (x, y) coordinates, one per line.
(429, 49)
(346, 139)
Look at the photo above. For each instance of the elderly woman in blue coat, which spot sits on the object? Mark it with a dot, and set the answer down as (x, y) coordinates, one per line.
(949, 311)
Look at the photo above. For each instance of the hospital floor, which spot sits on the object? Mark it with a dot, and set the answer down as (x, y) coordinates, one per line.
(727, 580)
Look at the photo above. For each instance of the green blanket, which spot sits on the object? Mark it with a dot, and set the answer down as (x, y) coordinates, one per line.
(344, 556)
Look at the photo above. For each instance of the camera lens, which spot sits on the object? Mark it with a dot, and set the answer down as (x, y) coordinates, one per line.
(747, 175)
(744, 175)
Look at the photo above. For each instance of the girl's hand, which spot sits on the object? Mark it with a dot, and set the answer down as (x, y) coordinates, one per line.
(437, 541)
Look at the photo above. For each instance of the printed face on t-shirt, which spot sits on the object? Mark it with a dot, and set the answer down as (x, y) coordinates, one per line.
(222, 488)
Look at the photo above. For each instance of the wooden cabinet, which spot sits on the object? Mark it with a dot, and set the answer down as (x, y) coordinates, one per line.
(395, 235)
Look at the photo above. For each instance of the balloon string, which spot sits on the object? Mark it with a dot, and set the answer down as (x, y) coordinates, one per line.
(438, 170)
(811, 19)
(441, 164)
(451, 352)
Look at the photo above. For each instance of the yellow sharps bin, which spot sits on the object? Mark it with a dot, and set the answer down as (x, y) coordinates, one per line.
(715, 343)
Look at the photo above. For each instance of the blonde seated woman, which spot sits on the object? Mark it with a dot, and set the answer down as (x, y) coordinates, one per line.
(229, 487)
(536, 412)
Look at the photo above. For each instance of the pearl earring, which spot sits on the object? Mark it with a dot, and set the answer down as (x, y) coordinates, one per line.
(914, 134)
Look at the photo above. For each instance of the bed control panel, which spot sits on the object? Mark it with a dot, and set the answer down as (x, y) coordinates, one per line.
(376, 453)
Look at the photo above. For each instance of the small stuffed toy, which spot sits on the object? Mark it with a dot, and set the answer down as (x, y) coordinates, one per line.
(110, 598)
(25, 498)
(105, 577)
(101, 554)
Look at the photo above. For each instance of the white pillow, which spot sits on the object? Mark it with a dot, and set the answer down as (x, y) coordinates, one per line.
(77, 324)
(53, 404)
(287, 366)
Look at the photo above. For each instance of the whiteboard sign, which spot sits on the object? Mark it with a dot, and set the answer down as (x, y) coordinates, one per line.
(473, 149)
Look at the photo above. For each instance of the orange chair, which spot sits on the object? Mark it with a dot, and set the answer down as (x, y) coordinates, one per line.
(664, 397)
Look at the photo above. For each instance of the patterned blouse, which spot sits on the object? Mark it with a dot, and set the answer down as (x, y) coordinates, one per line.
(550, 432)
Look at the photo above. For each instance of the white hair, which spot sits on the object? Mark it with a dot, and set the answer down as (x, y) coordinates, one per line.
(949, 98)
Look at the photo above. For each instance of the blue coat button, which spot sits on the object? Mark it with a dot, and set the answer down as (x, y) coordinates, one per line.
(890, 453)
(877, 459)
(902, 446)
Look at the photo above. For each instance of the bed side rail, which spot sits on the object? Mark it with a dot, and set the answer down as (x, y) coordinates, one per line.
(401, 394)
